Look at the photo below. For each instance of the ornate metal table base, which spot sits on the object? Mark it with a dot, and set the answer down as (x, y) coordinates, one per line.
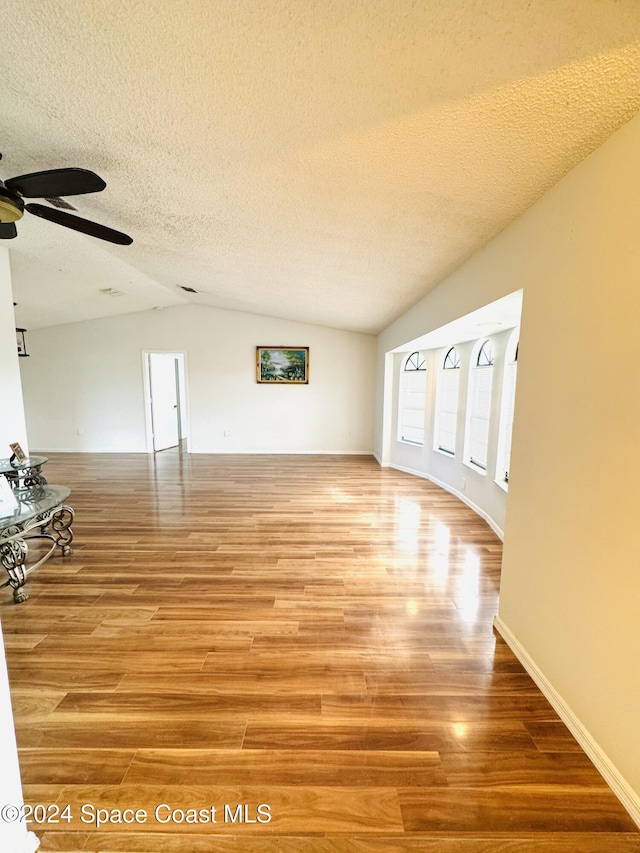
(27, 477)
(54, 525)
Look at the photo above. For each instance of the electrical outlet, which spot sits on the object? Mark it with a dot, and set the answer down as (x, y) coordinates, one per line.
(80, 431)
(464, 484)
(227, 433)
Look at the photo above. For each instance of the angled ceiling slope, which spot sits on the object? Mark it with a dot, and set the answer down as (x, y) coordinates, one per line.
(319, 161)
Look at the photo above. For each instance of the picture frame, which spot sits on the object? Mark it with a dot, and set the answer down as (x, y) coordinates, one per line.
(18, 454)
(282, 365)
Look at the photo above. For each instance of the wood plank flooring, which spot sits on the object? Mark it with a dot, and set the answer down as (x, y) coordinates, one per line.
(306, 641)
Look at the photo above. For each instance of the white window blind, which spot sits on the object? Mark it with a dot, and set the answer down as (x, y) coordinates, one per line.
(479, 414)
(506, 431)
(447, 410)
(411, 413)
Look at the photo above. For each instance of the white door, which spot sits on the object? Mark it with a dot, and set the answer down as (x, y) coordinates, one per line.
(165, 411)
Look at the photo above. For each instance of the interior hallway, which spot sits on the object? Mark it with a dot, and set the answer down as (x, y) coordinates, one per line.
(308, 633)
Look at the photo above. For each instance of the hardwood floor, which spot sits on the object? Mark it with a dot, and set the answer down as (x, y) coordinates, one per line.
(308, 638)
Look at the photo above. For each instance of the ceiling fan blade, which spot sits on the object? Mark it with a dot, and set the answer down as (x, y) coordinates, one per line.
(93, 229)
(56, 182)
(8, 231)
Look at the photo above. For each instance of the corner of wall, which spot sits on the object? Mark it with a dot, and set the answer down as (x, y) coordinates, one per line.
(610, 773)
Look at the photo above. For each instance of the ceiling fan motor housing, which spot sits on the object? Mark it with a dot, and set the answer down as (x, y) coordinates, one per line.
(11, 205)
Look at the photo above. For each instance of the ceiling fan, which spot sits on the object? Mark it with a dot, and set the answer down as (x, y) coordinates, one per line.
(51, 185)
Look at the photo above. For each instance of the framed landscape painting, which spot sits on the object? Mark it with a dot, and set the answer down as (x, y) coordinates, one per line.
(282, 365)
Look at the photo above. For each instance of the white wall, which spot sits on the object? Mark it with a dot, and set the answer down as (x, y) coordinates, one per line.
(570, 595)
(12, 425)
(89, 377)
(13, 835)
(478, 490)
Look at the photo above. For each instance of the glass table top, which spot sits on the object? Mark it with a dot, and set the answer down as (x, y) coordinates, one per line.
(34, 501)
(7, 467)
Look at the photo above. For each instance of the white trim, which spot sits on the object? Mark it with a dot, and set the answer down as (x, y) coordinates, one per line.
(216, 452)
(48, 451)
(388, 388)
(184, 398)
(146, 390)
(501, 484)
(612, 776)
(475, 467)
(446, 453)
(220, 452)
(461, 497)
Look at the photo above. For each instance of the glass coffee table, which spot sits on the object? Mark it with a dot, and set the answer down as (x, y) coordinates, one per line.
(41, 514)
(26, 473)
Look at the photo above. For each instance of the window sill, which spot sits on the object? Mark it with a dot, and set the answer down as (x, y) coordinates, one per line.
(476, 468)
(445, 453)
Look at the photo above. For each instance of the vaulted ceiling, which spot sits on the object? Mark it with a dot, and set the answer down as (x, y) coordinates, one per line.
(328, 161)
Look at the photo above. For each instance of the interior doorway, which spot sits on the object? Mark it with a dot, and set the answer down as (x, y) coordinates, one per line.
(166, 401)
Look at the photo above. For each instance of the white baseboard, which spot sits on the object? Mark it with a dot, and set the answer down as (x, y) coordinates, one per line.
(218, 452)
(213, 452)
(50, 450)
(460, 495)
(612, 776)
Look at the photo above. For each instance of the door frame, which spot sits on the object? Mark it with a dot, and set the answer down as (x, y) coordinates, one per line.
(183, 398)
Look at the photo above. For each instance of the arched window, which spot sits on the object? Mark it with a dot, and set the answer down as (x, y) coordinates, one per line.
(479, 406)
(447, 402)
(415, 362)
(451, 359)
(412, 401)
(507, 410)
(485, 355)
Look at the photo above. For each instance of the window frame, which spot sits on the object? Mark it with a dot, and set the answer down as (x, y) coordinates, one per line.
(507, 409)
(449, 362)
(414, 363)
(479, 404)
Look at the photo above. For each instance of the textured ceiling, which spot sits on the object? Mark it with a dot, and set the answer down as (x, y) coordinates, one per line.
(328, 161)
